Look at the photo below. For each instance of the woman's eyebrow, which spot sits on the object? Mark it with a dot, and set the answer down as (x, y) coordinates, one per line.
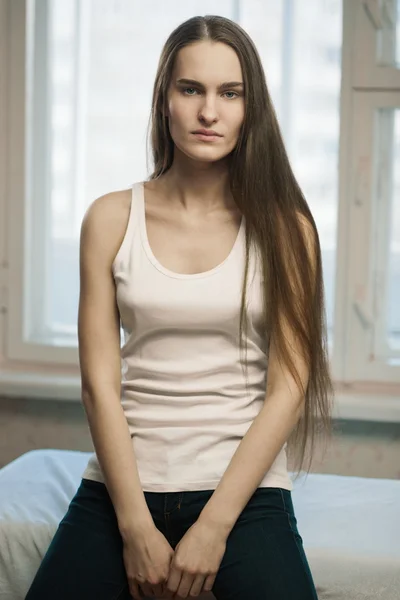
(226, 84)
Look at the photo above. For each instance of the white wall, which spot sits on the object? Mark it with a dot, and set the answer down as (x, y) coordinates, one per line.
(364, 449)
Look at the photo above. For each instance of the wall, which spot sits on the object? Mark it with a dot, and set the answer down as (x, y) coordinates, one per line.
(364, 449)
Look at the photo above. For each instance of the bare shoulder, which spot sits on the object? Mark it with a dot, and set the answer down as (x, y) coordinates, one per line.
(104, 224)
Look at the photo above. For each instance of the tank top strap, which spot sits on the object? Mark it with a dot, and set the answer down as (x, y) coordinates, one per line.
(132, 225)
(135, 215)
(136, 202)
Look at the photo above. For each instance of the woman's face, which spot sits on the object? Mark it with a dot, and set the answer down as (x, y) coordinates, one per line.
(206, 104)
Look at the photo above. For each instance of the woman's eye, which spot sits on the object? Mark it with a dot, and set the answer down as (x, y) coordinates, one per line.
(186, 90)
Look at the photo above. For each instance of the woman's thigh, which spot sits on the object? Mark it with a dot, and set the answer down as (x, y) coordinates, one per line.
(85, 557)
(264, 558)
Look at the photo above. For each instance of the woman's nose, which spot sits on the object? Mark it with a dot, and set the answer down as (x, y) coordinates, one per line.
(208, 111)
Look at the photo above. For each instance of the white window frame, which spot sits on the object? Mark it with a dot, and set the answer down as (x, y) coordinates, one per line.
(27, 368)
(24, 207)
(361, 356)
(4, 76)
(369, 221)
(34, 369)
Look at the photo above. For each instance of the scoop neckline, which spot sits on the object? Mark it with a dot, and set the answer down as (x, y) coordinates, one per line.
(158, 265)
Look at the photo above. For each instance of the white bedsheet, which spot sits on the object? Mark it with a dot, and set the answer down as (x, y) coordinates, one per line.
(350, 526)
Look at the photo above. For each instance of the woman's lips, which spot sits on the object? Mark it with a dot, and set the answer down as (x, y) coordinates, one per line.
(207, 138)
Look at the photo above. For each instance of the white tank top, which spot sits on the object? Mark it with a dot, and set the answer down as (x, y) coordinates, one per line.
(183, 388)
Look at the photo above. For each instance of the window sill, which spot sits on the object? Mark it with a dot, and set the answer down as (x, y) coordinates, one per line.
(349, 405)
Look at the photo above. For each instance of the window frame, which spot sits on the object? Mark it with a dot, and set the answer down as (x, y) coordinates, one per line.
(26, 218)
(367, 262)
(357, 356)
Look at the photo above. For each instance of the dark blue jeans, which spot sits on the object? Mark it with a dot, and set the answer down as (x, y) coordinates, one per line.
(264, 558)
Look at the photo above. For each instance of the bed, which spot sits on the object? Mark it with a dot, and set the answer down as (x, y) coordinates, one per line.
(350, 525)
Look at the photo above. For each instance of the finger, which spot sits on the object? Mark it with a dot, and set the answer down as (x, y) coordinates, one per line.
(174, 579)
(157, 589)
(209, 583)
(197, 585)
(185, 584)
(165, 590)
(135, 591)
(166, 593)
(146, 589)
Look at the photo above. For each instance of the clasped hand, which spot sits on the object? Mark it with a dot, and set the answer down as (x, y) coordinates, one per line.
(196, 562)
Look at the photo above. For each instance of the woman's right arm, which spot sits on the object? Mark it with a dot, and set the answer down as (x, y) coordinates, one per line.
(102, 232)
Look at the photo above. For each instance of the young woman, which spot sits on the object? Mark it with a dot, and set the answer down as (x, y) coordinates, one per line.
(189, 490)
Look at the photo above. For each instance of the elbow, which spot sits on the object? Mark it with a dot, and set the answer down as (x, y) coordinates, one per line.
(97, 392)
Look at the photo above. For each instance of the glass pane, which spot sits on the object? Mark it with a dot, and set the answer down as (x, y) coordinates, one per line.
(314, 131)
(393, 308)
(302, 59)
(398, 33)
(100, 83)
(385, 16)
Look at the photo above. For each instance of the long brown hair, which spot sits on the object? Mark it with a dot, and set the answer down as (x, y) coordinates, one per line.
(265, 190)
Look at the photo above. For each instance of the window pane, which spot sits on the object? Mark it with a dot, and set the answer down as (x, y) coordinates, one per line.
(385, 16)
(302, 57)
(397, 21)
(314, 131)
(393, 308)
(386, 221)
(100, 82)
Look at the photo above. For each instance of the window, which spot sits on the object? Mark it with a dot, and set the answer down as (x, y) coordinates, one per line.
(369, 257)
(79, 105)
